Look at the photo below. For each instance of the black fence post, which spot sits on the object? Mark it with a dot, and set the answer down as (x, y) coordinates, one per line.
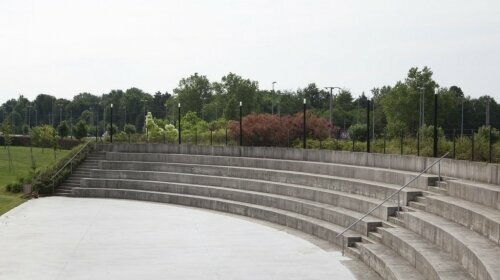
(305, 129)
(454, 143)
(241, 125)
(226, 136)
(180, 128)
(490, 144)
(211, 137)
(111, 126)
(367, 126)
(385, 133)
(435, 148)
(472, 143)
(401, 141)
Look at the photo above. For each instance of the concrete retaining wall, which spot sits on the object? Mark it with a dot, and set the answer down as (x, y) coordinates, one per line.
(475, 171)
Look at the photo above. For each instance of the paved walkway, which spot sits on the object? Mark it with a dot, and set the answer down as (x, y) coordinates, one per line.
(76, 238)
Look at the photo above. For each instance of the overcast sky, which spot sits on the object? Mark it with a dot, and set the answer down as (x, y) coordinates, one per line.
(67, 47)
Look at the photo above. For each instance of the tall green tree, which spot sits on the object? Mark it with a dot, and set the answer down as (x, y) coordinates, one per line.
(193, 93)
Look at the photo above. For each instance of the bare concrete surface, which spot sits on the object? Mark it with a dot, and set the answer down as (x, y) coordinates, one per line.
(79, 238)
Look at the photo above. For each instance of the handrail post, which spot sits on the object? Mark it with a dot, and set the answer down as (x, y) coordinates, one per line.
(399, 206)
(343, 245)
(439, 171)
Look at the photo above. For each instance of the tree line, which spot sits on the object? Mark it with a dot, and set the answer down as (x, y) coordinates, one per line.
(395, 108)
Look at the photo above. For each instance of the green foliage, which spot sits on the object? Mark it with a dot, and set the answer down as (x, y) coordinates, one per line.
(193, 92)
(129, 129)
(171, 133)
(357, 132)
(115, 129)
(154, 132)
(63, 129)
(43, 136)
(6, 130)
(80, 129)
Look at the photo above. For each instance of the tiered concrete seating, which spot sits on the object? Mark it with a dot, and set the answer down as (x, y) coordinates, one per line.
(436, 237)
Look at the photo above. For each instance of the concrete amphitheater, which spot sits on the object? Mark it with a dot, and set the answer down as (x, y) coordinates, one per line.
(444, 228)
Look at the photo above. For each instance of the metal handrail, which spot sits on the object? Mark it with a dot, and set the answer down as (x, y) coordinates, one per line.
(389, 197)
(70, 161)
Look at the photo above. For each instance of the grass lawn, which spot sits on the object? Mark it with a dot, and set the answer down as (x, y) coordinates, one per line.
(22, 162)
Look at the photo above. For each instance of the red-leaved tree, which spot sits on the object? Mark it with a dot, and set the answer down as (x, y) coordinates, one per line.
(273, 130)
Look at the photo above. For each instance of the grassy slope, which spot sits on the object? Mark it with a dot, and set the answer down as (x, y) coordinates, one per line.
(22, 161)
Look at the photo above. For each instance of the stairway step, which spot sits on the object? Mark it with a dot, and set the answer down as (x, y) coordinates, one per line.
(393, 176)
(420, 199)
(320, 228)
(417, 205)
(375, 236)
(369, 188)
(387, 263)
(481, 219)
(479, 255)
(425, 256)
(317, 210)
(350, 201)
(397, 221)
(353, 251)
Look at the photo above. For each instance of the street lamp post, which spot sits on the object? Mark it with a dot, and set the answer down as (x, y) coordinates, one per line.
(180, 128)
(111, 126)
(305, 129)
(241, 123)
(368, 125)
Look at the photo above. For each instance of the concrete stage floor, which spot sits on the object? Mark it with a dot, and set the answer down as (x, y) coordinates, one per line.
(76, 238)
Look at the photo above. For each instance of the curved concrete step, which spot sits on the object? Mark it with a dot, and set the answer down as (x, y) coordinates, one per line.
(480, 218)
(387, 263)
(485, 194)
(337, 215)
(477, 254)
(391, 176)
(348, 185)
(319, 228)
(424, 255)
(345, 200)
